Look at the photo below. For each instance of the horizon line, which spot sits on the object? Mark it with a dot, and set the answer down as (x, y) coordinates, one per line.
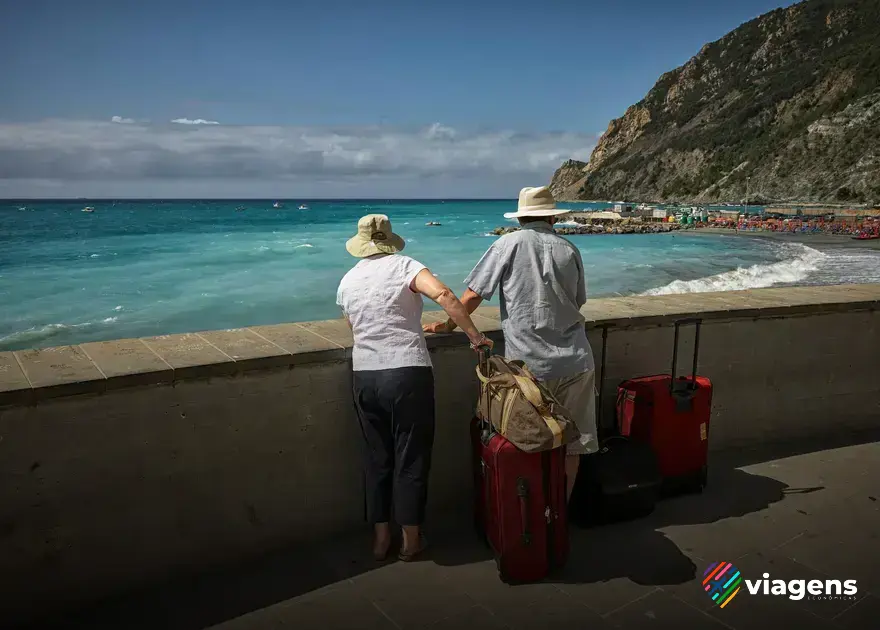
(279, 199)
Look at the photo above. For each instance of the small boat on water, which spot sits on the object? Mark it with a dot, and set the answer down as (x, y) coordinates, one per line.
(240, 209)
(88, 209)
(303, 207)
(866, 237)
(277, 204)
(433, 223)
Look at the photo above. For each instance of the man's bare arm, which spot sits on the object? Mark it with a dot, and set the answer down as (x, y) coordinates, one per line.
(469, 300)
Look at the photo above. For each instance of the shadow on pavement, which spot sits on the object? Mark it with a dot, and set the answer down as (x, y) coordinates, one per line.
(635, 550)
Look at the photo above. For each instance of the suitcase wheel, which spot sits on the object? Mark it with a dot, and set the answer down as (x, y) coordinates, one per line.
(693, 483)
(704, 478)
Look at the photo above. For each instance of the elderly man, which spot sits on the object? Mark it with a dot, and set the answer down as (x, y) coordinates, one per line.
(541, 280)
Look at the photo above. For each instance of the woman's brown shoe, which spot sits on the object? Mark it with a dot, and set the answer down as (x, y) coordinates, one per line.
(381, 556)
(408, 556)
(381, 541)
(380, 552)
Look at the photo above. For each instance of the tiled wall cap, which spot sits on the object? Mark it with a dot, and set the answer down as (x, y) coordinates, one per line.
(28, 376)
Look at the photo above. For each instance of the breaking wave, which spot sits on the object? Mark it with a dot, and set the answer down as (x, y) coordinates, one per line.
(38, 334)
(791, 270)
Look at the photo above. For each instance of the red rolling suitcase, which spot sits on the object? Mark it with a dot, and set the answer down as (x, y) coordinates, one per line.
(519, 505)
(671, 414)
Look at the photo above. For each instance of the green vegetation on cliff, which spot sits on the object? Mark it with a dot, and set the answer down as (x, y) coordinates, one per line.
(788, 104)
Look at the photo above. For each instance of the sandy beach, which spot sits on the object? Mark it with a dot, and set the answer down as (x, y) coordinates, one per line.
(807, 239)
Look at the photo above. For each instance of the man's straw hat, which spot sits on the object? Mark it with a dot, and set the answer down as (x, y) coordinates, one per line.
(535, 202)
(374, 236)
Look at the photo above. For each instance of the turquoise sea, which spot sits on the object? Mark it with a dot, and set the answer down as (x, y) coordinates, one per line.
(138, 268)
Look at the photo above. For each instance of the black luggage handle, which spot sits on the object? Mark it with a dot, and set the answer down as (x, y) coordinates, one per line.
(486, 423)
(685, 393)
(601, 379)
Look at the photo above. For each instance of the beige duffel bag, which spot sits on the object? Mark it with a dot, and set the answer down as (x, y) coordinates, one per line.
(520, 408)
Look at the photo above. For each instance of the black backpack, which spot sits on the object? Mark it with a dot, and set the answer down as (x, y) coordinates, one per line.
(619, 482)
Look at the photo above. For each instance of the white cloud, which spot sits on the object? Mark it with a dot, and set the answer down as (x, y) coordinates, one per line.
(167, 160)
(197, 121)
(440, 132)
(122, 121)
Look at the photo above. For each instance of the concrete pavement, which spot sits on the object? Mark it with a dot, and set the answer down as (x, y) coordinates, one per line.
(813, 514)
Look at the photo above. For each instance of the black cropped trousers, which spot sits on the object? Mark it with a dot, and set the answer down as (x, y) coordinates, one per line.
(395, 408)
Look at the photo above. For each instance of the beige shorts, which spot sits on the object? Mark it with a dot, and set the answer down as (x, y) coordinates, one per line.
(578, 395)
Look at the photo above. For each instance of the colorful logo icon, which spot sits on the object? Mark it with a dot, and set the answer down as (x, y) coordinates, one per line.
(722, 582)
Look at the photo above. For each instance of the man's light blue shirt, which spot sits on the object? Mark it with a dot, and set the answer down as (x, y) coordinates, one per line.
(541, 278)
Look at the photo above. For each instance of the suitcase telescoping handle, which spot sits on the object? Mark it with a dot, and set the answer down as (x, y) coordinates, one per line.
(600, 381)
(486, 423)
(693, 384)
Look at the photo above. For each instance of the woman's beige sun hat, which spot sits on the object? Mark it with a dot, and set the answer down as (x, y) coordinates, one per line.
(374, 236)
(535, 202)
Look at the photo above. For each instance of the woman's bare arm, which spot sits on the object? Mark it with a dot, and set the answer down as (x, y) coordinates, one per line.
(429, 286)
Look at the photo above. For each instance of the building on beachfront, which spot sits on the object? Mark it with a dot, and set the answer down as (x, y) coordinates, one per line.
(656, 215)
(651, 213)
(625, 210)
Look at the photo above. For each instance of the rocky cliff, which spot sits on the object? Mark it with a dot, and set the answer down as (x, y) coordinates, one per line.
(786, 106)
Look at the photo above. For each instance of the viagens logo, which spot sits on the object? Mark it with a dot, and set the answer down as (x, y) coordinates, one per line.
(800, 589)
(722, 581)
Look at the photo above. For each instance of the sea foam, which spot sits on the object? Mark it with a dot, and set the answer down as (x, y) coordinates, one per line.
(801, 261)
(38, 334)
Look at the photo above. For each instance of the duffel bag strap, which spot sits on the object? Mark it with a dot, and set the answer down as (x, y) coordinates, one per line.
(531, 392)
(533, 395)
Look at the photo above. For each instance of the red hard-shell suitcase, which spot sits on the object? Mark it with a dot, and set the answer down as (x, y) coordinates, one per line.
(520, 505)
(672, 415)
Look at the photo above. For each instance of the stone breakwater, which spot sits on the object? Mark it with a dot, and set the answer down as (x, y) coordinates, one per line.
(649, 228)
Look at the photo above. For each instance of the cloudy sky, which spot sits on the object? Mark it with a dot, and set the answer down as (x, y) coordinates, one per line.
(125, 157)
(324, 99)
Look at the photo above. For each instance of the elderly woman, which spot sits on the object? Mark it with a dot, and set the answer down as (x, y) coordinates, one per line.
(381, 298)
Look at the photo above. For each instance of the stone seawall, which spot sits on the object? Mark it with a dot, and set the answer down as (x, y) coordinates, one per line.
(129, 461)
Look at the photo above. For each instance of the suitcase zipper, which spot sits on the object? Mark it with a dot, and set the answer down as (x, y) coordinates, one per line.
(522, 490)
(546, 466)
(487, 484)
